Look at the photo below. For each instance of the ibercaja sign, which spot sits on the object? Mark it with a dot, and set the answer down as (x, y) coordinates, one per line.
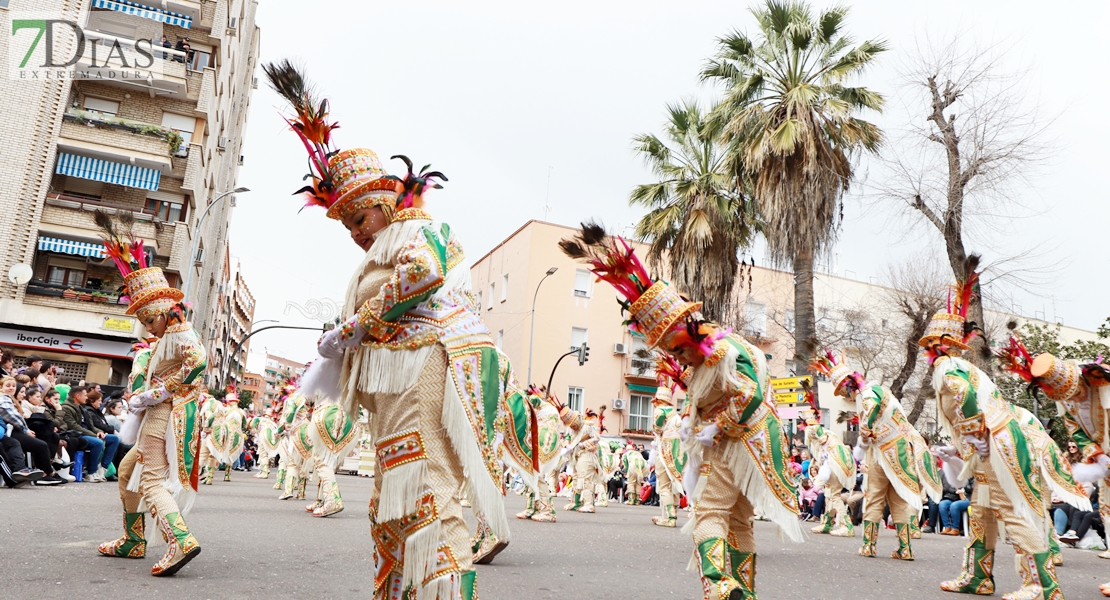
(97, 45)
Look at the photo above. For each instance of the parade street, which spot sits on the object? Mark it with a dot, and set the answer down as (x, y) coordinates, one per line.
(255, 546)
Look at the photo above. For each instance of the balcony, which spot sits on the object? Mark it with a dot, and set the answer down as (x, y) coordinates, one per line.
(133, 65)
(41, 293)
(73, 215)
(639, 368)
(125, 134)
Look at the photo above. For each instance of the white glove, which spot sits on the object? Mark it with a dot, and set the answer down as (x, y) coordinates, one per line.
(945, 452)
(1103, 460)
(823, 475)
(857, 453)
(148, 398)
(685, 429)
(707, 436)
(982, 447)
(334, 342)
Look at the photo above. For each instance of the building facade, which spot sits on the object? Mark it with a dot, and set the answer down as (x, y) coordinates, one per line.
(157, 138)
(234, 313)
(256, 385)
(279, 369)
(571, 309)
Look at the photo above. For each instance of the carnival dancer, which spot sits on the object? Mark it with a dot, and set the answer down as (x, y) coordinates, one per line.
(412, 351)
(160, 472)
(668, 455)
(296, 448)
(1082, 396)
(985, 429)
(286, 391)
(582, 453)
(266, 437)
(635, 469)
(228, 436)
(836, 472)
(211, 410)
(607, 464)
(896, 457)
(327, 438)
(541, 498)
(732, 434)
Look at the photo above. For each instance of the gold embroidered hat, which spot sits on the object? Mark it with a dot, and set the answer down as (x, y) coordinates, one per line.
(949, 327)
(1059, 379)
(147, 289)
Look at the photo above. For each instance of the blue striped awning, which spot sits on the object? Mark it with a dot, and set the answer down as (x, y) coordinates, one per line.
(108, 171)
(50, 244)
(146, 12)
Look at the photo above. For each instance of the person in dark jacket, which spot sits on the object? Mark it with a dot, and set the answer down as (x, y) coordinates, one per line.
(72, 416)
(99, 422)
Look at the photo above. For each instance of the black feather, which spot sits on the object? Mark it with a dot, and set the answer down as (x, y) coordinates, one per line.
(104, 222)
(573, 249)
(593, 233)
(1011, 325)
(405, 159)
(971, 263)
(288, 81)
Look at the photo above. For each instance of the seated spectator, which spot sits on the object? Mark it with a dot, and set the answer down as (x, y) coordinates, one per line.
(46, 375)
(20, 396)
(34, 361)
(1079, 522)
(806, 459)
(62, 388)
(73, 418)
(854, 499)
(32, 401)
(807, 495)
(796, 455)
(953, 506)
(94, 420)
(13, 471)
(23, 434)
(114, 413)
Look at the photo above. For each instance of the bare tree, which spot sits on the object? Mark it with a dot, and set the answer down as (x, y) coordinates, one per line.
(969, 147)
(914, 294)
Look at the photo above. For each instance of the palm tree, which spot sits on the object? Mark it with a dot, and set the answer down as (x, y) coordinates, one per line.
(790, 117)
(699, 218)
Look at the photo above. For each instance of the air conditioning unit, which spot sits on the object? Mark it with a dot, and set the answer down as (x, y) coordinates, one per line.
(618, 403)
(254, 83)
(198, 260)
(620, 349)
(581, 293)
(232, 25)
(222, 143)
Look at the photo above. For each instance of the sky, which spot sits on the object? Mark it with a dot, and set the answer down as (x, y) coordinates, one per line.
(530, 110)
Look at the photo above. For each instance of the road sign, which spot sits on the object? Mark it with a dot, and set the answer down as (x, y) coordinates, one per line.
(789, 397)
(790, 383)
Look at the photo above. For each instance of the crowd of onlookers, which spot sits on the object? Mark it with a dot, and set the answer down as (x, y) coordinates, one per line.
(54, 430)
(1074, 527)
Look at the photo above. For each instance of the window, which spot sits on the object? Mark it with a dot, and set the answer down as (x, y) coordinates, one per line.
(200, 57)
(789, 324)
(166, 210)
(575, 396)
(583, 282)
(755, 319)
(65, 276)
(644, 367)
(504, 287)
(579, 336)
(492, 290)
(83, 188)
(108, 108)
(182, 125)
(500, 339)
(639, 412)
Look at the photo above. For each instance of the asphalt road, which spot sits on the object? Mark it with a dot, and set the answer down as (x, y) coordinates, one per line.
(258, 547)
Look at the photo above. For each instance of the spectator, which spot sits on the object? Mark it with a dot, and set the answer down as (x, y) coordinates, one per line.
(165, 43)
(1073, 454)
(34, 361)
(63, 387)
(807, 495)
(43, 426)
(114, 413)
(183, 46)
(46, 375)
(796, 455)
(7, 362)
(1079, 522)
(21, 433)
(32, 401)
(953, 506)
(71, 441)
(94, 420)
(27, 376)
(73, 417)
(805, 460)
(13, 462)
(854, 499)
(20, 396)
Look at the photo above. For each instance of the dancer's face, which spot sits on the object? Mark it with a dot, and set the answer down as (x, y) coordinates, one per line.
(155, 324)
(364, 224)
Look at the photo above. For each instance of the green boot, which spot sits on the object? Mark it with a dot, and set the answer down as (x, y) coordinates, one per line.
(133, 542)
(576, 504)
(280, 485)
(904, 552)
(715, 559)
(669, 518)
(302, 485)
(743, 571)
(1054, 549)
(977, 575)
(826, 524)
(844, 526)
(183, 547)
(870, 536)
(227, 473)
(915, 530)
(1046, 574)
(530, 509)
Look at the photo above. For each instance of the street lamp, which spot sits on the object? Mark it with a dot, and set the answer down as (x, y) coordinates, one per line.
(196, 237)
(532, 331)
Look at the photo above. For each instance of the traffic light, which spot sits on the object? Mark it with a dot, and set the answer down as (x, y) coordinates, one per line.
(583, 354)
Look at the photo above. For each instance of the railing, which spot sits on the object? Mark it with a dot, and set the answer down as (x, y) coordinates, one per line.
(45, 288)
(81, 203)
(641, 368)
(96, 119)
(109, 42)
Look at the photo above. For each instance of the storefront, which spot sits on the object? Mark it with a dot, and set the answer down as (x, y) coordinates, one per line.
(94, 358)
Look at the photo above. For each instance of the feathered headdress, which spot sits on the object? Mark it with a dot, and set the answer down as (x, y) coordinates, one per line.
(841, 376)
(668, 373)
(310, 123)
(950, 328)
(413, 185)
(655, 309)
(120, 243)
(1015, 358)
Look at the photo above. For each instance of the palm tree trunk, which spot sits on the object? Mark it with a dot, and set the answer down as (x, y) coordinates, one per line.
(805, 328)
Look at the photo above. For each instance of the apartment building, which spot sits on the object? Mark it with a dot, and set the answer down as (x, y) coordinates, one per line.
(233, 315)
(159, 139)
(571, 309)
(277, 370)
(256, 385)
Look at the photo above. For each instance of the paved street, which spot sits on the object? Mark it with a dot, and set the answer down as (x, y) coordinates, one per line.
(258, 547)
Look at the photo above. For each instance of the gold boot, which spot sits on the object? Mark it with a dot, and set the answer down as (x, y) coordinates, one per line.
(133, 542)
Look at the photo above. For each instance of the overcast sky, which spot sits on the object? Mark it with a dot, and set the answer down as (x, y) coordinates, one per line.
(502, 96)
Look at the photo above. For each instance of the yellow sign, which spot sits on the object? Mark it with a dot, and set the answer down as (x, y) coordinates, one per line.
(789, 397)
(117, 324)
(791, 383)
